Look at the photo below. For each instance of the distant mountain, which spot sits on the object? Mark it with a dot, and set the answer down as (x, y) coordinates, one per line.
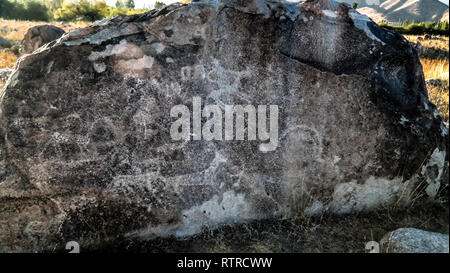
(361, 3)
(401, 10)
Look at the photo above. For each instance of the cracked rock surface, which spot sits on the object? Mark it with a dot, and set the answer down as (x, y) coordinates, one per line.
(85, 146)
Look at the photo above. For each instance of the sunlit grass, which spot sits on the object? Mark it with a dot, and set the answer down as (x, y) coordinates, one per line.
(435, 69)
(441, 42)
(7, 58)
(439, 95)
(15, 29)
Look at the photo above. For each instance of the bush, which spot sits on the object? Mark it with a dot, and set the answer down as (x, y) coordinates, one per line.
(68, 10)
(433, 28)
(159, 5)
(5, 8)
(81, 10)
(34, 10)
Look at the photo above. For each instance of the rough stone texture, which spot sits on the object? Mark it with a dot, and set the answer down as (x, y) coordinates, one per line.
(4, 43)
(85, 149)
(37, 36)
(4, 73)
(411, 240)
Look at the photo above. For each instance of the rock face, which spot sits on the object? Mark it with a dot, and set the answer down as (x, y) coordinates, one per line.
(38, 36)
(87, 154)
(411, 240)
(4, 73)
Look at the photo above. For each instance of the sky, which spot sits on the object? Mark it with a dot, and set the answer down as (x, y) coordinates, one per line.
(150, 3)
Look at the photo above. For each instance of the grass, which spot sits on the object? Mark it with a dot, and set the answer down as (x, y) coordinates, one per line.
(434, 28)
(327, 233)
(7, 59)
(436, 69)
(439, 97)
(441, 41)
(15, 29)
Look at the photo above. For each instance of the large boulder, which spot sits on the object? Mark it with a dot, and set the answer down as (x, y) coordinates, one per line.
(87, 152)
(412, 240)
(37, 36)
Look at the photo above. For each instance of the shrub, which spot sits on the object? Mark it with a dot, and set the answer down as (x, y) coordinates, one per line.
(433, 28)
(64, 10)
(35, 10)
(159, 5)
(81, 10)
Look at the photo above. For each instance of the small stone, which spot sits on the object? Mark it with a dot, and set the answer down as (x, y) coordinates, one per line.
(37, 36)
(412, 240)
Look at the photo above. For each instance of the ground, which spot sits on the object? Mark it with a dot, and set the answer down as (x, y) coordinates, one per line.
(323, 234)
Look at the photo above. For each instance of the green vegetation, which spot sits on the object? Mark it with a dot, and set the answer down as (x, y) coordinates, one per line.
(94, 10)
(33, 10)
(64, 10)
(159, 5)
(415, 28)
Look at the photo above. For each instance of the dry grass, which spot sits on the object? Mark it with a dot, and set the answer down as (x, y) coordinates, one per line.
(15, 30)
(325, 233)
(438, 94)
(7, 58)
(436, 69)
(441, 42)
(439, 97)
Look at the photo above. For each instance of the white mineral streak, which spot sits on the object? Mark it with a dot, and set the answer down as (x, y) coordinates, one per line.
(361, 21)
(437, 160)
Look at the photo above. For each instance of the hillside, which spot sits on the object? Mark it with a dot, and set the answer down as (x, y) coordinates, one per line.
(401, 10)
